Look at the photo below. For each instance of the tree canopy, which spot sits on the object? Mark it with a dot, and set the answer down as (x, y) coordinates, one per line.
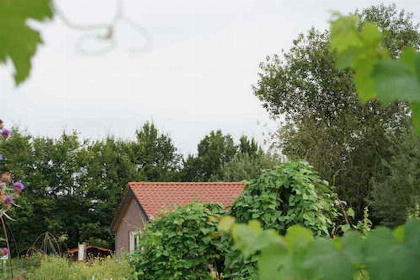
(325, 123)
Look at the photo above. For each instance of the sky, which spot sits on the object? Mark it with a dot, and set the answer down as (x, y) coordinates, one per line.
(188, 66)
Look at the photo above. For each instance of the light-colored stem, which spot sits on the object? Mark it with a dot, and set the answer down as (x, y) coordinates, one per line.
(9, 259)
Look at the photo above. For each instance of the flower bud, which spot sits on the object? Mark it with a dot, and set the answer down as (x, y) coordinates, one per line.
(6, 177)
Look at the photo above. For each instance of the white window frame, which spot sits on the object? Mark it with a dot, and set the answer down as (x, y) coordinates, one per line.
(134, 237)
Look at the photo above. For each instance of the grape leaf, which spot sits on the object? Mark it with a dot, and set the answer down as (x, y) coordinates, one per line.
(395, 80)
(328, 262)
(415, 109)
(270, 260)
(18, 41)
(388, 259)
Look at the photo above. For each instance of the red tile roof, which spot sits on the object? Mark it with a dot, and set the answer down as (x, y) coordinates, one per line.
(155, 197)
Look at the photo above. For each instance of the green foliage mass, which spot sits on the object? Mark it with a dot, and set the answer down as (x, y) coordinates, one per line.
(73, 186)
(220, 159)
(292, 193)
(377, 76)
(346, 141)
(183, 244)
(244, 166)
(380, 255)
(396, 195)
(214, 150)
(19, 41)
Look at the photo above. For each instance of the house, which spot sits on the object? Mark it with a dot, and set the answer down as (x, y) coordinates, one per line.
(142, 201)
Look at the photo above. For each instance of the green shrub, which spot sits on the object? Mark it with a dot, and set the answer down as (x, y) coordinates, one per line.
(183, 244)
(290, 194)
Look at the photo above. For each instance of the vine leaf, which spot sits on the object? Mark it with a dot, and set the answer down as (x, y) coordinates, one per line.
(18, 41)
(328, 262)
(395, 80)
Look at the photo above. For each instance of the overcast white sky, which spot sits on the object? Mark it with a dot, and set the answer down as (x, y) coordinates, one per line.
(194, 77)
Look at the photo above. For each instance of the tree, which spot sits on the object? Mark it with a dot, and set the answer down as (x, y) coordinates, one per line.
(325, 123)
(245, 167)
(214, 150)
(396, 195)
(154, 154)
(220, 159)
(74, 185)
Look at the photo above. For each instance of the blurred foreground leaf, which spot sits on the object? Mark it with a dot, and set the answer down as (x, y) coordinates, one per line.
(18, 41)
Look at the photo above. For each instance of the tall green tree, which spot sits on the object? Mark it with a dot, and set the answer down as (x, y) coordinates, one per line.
(75, 185)
(396, 194)
(324, 121)
(154, 154)
(219, 158)
(214, 150)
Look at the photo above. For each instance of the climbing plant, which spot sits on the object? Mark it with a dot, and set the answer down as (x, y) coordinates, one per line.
(381, 253)
(290, 194)
(183, 244)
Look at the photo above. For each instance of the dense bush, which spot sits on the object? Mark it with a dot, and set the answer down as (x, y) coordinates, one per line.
(183, 244)
(290, 194)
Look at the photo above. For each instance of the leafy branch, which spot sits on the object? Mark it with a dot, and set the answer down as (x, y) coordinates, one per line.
(377, 75)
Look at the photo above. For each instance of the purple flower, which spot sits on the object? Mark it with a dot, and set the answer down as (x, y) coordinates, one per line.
(18, 186)
(1, 157)
(8, 199)
(6, 133)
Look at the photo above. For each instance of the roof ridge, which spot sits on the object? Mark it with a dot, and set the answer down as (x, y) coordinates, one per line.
(185, 183)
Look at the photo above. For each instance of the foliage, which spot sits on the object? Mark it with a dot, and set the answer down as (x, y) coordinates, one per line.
(325, 123)
(183, 244)
(9, 191)
(53, 267)
(377, 76)
(214, 150)
(154, 154)
(244, 166)
(380, 255)
(74, 185)
(18, 41)
(396, 195)
(220, 159)
(290, 194)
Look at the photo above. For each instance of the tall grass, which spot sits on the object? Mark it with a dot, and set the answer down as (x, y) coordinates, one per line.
(58, 268)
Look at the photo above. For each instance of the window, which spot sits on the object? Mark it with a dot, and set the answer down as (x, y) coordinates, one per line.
(134, 240)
